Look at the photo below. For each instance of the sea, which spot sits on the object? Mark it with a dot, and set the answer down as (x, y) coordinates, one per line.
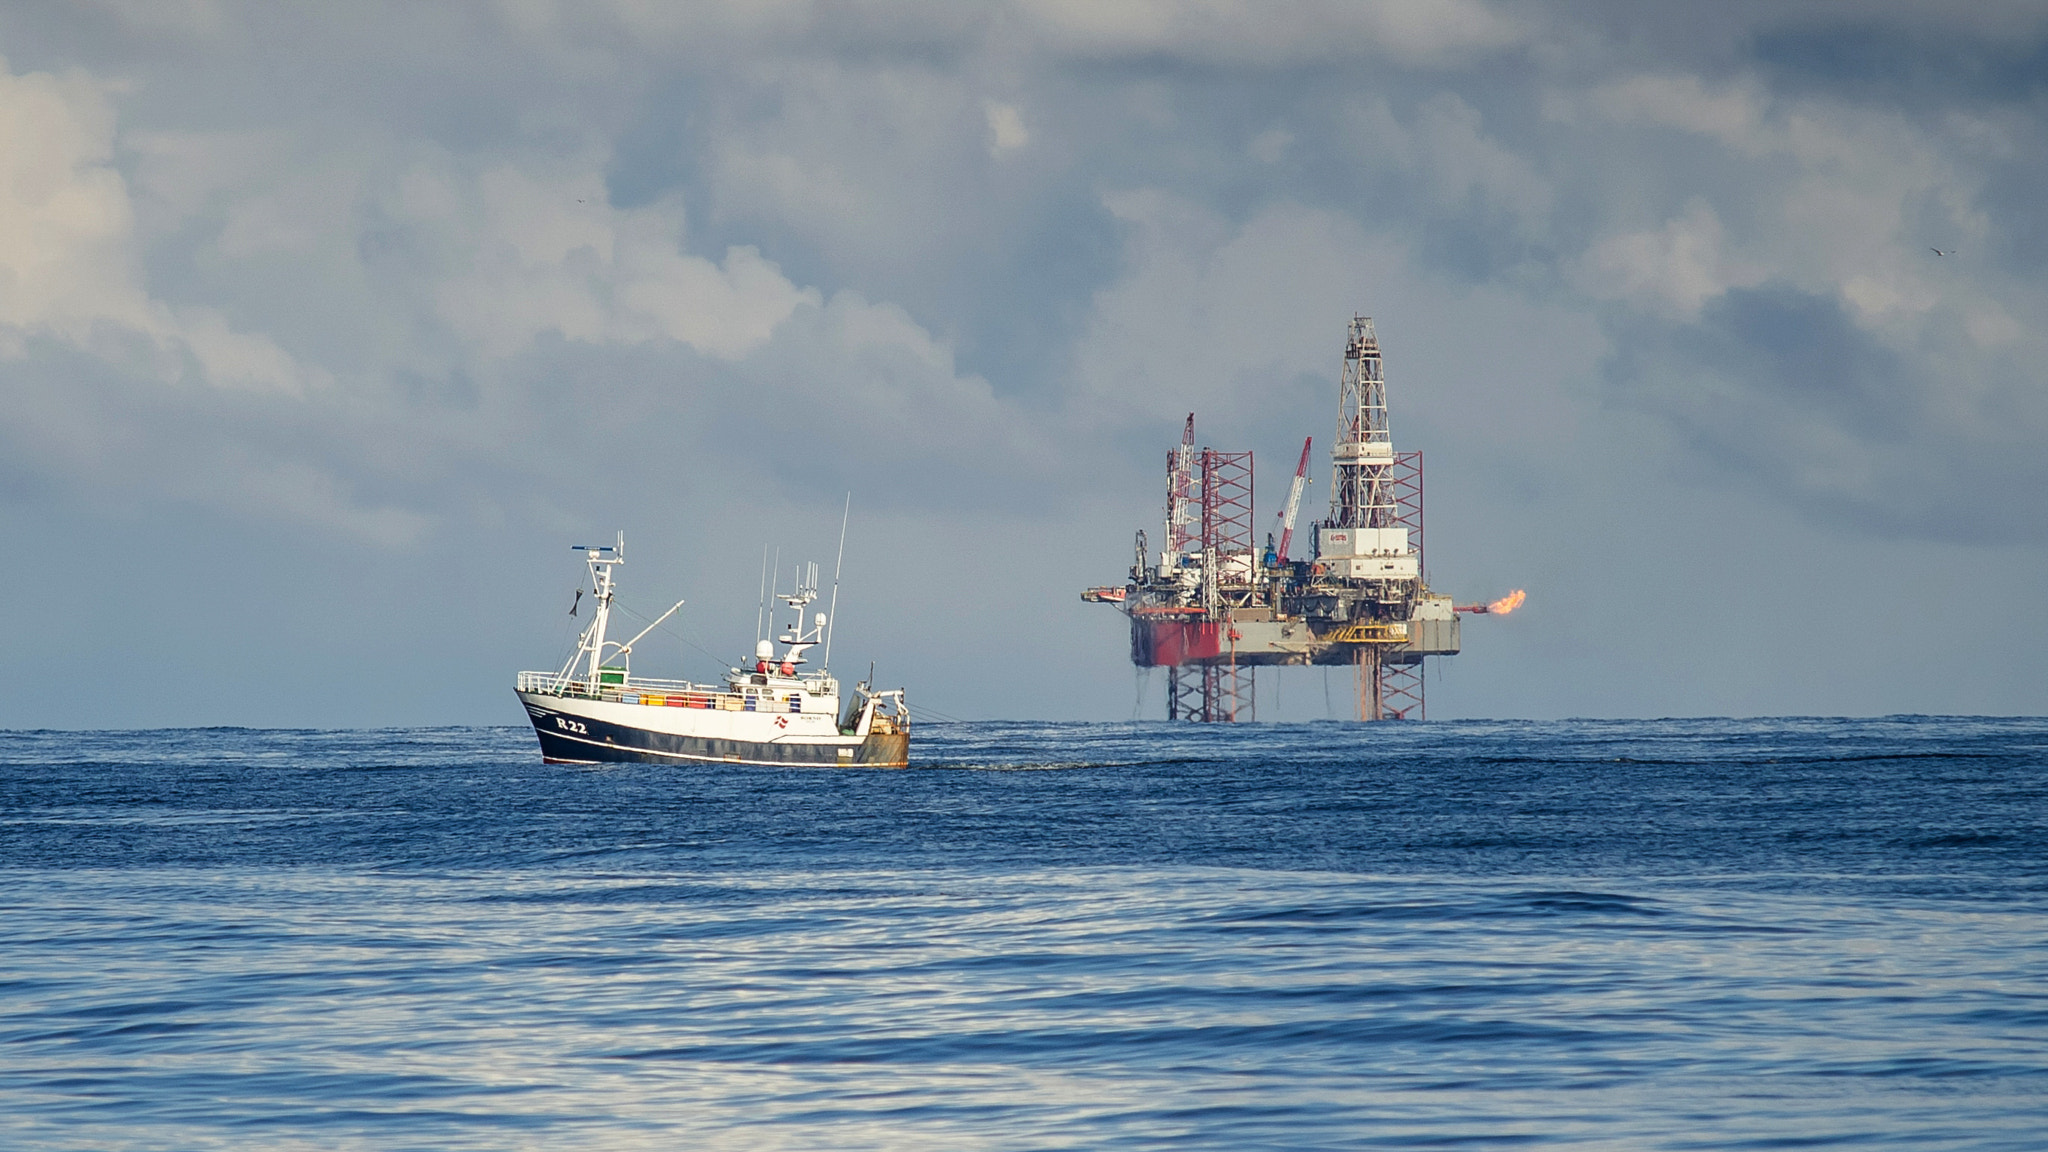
(1670, 934)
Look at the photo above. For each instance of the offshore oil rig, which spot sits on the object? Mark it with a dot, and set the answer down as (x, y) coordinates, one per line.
(1214, 607)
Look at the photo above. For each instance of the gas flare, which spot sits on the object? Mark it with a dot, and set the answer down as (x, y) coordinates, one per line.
(1500, 607)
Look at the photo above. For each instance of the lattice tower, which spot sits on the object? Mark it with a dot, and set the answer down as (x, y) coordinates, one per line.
(1362, 488)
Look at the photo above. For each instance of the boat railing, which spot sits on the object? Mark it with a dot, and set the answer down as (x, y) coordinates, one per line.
(646, 690)
(556, 684)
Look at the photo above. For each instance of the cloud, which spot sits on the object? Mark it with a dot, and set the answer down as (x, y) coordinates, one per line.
(392, 273)
(830, 186)
(1216, 316)
(1435, 32)
(1676, 268)
(1732, 114)
(548, 254)
(69, 263)
(1006, 131)
(1798, 398)
(463, 280)
(1791, 322)
(1462, 170)
(65, 222)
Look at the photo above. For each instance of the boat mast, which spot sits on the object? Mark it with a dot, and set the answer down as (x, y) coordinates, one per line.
(832, 613)
(761, 609)
(601, 558)
(806, 591)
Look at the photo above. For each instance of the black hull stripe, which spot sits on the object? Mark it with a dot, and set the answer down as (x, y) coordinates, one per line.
(601, 742)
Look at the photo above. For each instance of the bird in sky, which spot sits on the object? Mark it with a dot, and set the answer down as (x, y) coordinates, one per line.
(1939, 252)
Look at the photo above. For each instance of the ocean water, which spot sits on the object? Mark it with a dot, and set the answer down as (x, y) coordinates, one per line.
(1629, 935)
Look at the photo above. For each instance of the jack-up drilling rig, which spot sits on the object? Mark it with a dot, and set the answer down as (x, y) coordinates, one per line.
(1213, 607)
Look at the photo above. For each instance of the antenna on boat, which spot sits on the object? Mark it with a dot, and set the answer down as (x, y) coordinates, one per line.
(601, 558)
(761, 608)
(832, 613)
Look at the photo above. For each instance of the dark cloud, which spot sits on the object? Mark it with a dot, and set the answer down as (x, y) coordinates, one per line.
(1785, 391)
(1921, 69)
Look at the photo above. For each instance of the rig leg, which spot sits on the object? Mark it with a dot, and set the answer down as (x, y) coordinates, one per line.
(1371, 705)
(1211, 694)
(1401, 695)
(1187, 693)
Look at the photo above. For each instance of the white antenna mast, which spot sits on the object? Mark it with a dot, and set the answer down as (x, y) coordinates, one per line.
(602, 558)
(761, 606)
(775, 585)
(832, 613)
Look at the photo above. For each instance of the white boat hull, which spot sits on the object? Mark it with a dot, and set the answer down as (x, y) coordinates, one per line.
(580, 730)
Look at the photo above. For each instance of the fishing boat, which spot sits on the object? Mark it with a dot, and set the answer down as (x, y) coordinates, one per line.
(778, 712)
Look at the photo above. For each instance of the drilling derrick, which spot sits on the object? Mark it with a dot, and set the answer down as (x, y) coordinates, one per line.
(1213, 608)
(1364, 546)
(1361, 488)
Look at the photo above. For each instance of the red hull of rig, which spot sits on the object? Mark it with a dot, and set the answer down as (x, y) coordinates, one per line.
(1169, 643)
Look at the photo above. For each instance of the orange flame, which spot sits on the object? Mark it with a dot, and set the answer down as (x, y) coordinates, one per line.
(1507, 603)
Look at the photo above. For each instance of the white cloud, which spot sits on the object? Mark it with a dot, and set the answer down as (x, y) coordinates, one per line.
(453, 275)
(1732, 114)
(1460, 159)
(547, 254)
(65, 223)
(1884, 381)
(1006, 131)
(1443, 149)
(884, 164)
(1433, 32)
(69, 261)
(1834, 198)
(1208, 315)
(868, 380)
(1674, 268)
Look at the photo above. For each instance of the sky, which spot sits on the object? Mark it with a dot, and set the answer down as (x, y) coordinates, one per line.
(326, 330)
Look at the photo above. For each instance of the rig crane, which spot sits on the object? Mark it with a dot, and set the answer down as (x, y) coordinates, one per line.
(1293, 501)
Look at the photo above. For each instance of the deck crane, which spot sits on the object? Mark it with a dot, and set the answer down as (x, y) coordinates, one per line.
(1181, 497)
(1294, 500)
